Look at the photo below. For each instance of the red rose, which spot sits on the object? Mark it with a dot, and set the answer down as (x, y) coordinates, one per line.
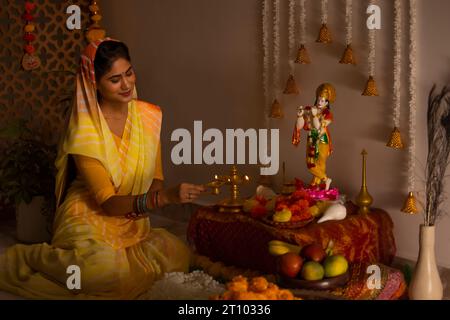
(28, 17)
(29, 37)
(30, 6)
(30, 49)
(281, 206)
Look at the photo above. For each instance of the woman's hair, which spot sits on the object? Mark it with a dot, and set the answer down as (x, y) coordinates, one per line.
(107, 53)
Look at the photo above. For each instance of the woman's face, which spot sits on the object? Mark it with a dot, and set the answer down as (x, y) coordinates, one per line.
(117, 84)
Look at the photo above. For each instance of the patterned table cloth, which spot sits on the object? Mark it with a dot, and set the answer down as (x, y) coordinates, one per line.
(241, 241)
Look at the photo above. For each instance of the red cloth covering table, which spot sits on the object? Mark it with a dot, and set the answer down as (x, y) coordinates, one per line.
(241, 241)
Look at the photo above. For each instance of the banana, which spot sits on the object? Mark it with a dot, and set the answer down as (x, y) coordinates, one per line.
(277, 248)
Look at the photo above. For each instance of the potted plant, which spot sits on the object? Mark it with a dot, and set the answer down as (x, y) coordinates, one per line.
(27, 179)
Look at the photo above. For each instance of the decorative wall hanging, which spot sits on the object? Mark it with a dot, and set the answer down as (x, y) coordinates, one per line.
(277, 111)
(395, 140)
(266, 57)
(302, 55)
(371, 87)
(348, 56)
(410, 204)
(324, 33)
(95, 31)
(29, 60)
(291, 85)
(37, 96)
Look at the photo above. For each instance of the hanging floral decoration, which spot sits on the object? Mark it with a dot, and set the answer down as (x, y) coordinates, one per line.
(266, 57)
(371, 87)
(302, 55)
(324, 33)
(348, 56)
(410, 203)
(291, 85)
(395, 140)
(30, 61)
(276, 111)
(95, 31)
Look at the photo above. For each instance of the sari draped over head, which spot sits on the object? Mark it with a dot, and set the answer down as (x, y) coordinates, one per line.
(118, 258)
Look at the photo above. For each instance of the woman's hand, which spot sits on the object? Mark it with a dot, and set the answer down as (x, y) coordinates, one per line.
(183, 193)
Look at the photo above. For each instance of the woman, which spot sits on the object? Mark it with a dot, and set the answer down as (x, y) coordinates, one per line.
(112, 140)
(316, 120)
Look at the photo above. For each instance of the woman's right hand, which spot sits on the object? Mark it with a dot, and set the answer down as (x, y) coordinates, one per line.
(183, 193)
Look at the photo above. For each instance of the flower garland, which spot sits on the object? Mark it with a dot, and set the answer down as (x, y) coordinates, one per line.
(29, 60)
(218, 270)
(348, 57)
(265, 43)
(95, 32)
(291, 85)
(302, 55)
(410, 206)
(324, 33)
(276, 112)
(395, 140)
(371, 88)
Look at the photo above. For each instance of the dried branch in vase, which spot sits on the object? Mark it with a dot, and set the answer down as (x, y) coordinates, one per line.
(438, 120)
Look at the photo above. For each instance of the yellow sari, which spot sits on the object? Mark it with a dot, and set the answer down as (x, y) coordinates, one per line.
(118, 258)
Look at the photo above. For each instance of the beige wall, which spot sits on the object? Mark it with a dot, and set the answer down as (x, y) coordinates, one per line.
(201, 60)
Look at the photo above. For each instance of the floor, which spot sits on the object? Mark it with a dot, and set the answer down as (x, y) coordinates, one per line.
(175, 220)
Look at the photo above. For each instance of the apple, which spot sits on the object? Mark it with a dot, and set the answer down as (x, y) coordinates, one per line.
(290, 264)
(313, 252)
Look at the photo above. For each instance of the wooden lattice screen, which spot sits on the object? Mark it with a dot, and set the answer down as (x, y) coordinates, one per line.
(39, 96)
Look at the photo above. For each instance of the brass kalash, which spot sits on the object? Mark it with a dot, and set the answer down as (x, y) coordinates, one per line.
(235, 203)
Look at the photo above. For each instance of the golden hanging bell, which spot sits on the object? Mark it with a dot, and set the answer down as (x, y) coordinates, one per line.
(291, 86)
(348, 57)
(276, 111)
(303, 56)
(395, 141)
(371, 88)
(324, 35)
(410, 205)
(95, 33)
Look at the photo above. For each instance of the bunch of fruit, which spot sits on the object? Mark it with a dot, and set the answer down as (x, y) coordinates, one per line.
(296, 207)
(258, 206)
(311, 262)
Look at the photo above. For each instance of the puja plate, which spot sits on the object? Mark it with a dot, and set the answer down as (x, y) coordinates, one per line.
(287, 225)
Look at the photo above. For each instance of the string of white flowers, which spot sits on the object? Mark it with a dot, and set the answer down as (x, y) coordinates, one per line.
(372, 48)
(348, 21)
(266, 61)
(412, 92)
(302, 8)
(276, 47)
(397, 61)
(324, 13)
(291, 36)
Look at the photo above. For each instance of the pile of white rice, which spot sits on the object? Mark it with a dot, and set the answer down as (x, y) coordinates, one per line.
(196, 285)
